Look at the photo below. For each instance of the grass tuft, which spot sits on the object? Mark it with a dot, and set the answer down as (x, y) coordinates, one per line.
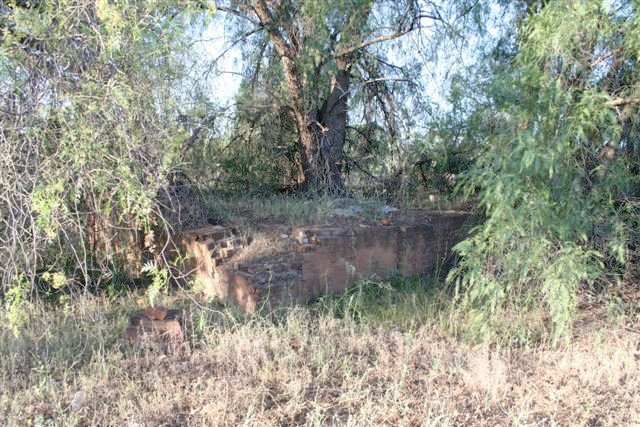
(381, 354)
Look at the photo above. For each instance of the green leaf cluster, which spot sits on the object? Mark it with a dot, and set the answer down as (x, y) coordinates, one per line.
(558, 179)
(89, 136)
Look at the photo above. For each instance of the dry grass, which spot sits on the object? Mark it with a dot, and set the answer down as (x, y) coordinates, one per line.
(306, 368)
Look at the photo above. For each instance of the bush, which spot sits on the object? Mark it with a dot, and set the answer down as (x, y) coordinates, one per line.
(88, 135)
(559, 177)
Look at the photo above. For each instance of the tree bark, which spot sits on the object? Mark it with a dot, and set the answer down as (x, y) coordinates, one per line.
(322, 137)
(333, 122)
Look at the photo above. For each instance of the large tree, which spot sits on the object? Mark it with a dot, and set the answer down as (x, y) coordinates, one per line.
(320, 46)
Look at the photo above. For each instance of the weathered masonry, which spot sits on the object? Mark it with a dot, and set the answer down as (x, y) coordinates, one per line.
(320, 259)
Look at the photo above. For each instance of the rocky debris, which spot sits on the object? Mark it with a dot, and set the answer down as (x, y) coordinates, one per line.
(157, 329)
(302, 237)
(78, 400)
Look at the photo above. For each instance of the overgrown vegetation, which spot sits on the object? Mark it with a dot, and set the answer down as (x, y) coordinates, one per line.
(89, 139)
(112, 140)
(376, 363)
(558, 177)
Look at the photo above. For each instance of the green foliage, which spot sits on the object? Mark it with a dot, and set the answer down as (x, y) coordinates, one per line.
(258, 154)
(90, 136)
(159, 281)
(16, 304)
(401, 302)
(558, 177)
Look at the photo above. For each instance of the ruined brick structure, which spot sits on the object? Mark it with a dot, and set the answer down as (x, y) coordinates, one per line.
(320, 259)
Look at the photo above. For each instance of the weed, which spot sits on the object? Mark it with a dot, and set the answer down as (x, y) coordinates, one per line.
(376, 355)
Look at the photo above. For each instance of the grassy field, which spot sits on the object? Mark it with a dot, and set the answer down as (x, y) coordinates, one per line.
(366, 358)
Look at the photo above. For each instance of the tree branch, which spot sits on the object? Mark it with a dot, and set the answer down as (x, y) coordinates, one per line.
(235, 42)
(243, 12)
(467, 10)
(375, 40)
(266, 18)
(399, 32)
(623, 101)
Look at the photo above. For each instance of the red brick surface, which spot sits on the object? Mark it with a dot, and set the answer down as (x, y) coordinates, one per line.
(322, 259)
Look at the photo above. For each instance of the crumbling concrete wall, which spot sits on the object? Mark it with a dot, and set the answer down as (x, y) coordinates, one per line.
(320, 259)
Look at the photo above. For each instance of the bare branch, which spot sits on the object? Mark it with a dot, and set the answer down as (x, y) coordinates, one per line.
(386, 37)
(467, 11)
(237, 12)
(235, 42)
(400, 31)
(623, 101)
(385, 79)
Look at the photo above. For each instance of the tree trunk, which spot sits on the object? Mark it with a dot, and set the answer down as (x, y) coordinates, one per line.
(322, 138)
(322, 133)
